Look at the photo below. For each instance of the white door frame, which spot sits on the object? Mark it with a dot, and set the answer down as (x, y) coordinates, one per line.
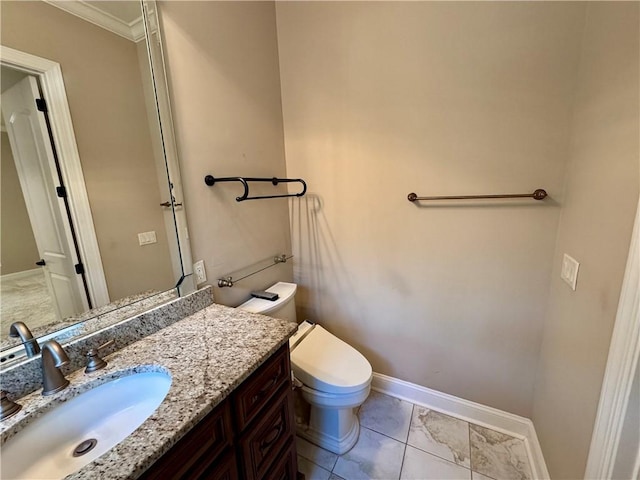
(152, 24)
(49, 74)
(624, 352)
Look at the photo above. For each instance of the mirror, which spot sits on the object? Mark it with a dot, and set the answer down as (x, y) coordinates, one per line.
(92, 217)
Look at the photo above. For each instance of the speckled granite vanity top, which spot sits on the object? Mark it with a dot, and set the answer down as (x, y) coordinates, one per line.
(207, 355)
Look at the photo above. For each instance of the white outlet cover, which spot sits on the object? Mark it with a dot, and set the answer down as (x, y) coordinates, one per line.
(199, 271)
(569, 272)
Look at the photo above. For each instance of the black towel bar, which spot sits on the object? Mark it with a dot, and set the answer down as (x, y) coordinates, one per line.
(210, 180)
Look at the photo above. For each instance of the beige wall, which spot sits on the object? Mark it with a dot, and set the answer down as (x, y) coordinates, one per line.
(382, 99)
(102, 79)
(17, 244)
(223, 71)
(601, 195)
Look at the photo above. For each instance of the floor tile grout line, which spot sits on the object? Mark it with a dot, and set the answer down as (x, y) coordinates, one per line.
(435, 454)
(413, 409)
(441, 412)
(472, 470)
(315, 463)
(406, 443)
(311, 461)
(334, 464)
(470, 461)
(404, 454)
(440, 458)
(383, 434)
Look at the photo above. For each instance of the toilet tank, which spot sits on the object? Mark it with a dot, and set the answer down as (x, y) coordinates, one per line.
(284, 307)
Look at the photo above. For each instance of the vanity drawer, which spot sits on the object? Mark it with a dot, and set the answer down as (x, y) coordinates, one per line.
(261, 386)
(263, 443)
(197, 450)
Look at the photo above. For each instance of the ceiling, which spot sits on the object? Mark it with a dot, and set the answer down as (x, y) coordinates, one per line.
(128, 11)
(9, 77)
(122, 17)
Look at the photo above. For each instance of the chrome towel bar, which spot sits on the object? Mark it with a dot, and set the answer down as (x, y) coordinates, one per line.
(539, 194)
(230, 280)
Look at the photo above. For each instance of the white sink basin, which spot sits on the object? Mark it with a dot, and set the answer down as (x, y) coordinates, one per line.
(106, 414)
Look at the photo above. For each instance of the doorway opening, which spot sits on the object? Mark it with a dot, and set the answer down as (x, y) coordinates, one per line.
(42, 269)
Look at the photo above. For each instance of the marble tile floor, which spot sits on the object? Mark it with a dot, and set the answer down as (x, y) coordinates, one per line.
(400, 440)
(25, 297)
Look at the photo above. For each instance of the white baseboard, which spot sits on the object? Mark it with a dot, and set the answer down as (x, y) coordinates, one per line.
(514, 425)
(23, 274)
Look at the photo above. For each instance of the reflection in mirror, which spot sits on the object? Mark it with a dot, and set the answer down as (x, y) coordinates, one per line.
(90, 216)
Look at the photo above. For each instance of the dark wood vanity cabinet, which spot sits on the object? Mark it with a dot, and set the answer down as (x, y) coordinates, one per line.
(250, 435)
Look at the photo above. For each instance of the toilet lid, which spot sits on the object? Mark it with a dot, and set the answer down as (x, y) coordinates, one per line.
(285, 292)
(324, 362)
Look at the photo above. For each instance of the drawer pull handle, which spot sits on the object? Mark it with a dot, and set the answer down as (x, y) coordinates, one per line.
(265, 388)
(274, 435)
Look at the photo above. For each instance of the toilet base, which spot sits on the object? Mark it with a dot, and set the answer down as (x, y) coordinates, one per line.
(336, 430)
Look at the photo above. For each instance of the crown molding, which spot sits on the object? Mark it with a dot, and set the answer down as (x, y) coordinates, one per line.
(133, 31)
(137, 29)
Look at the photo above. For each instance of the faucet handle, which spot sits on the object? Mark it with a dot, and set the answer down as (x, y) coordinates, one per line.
(94, 362)
(7, 407)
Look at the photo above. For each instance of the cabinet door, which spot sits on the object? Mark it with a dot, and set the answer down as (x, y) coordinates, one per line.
(225, 469)
(197, 450)
(263, 443)
(286, 468)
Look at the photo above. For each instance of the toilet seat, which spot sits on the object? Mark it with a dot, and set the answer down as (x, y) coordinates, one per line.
(325, 363)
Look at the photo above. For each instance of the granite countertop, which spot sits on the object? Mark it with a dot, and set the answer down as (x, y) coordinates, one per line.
(207, 355)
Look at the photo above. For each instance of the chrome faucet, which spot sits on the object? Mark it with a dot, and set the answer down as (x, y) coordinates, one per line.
(20, 330)
(53, 357)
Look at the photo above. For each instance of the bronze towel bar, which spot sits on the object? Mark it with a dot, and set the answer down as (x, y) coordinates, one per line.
(539, 194)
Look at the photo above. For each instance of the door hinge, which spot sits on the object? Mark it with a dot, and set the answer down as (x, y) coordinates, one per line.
(41, 105)
(79, 268)
(61, 191)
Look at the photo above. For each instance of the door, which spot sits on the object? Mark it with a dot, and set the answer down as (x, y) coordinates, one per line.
(35, 163)
(615, 442)
(167, 160)
(627, 461)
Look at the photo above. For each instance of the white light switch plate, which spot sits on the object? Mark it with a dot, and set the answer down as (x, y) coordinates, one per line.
(198, 269)
(147, 238)
(569, 271)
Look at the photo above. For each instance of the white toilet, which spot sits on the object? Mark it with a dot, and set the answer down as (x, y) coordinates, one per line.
(336, 378)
